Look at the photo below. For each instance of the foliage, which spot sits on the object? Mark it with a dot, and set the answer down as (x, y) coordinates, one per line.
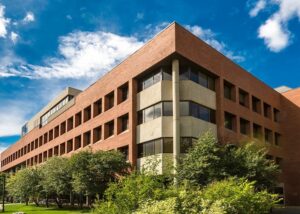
(166, 206)
(25, 184)
(92, 171)
(208, 161)
(126, 195)
(56, 177)
(236, 196)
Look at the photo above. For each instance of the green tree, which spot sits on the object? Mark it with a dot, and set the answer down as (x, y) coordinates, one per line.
(126, 195)
(208, 161)
(236, 196)
(56, 178)
(25, 185)
(91, 172)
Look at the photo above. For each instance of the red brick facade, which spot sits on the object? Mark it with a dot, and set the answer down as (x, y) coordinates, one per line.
(173, 42)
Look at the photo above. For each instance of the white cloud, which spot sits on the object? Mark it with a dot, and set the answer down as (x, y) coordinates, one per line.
(14, 37)
(274, 31)
(209, 37)
(3, 22)
(259, 6)
(12, 118)
(29, 17)
(81, 54)
(276, 38)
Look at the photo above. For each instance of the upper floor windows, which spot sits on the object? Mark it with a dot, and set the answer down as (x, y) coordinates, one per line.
(229, 91)
(123, 93)
(256, 105)
(189, 108)
(155, 111)
(276, 114)
(267, 110)
(243, 98)
(197, 75)
(58, 106)
(230, 121)
(109, 100)
(163, 73)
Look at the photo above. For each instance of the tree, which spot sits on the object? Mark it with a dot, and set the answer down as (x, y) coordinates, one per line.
(56, 178)
(25, 185)
(126, 195)
(92, 171)
(236, 196)
(208, 161)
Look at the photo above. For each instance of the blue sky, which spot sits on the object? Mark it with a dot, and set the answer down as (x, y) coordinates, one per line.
(46, 45)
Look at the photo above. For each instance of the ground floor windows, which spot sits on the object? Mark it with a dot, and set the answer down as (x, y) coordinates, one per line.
(163, 145)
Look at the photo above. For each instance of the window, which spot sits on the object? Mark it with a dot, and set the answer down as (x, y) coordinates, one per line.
(58, 106)
(56, 131)
(97, 107)
(97, 134)
(62, 149)
(123, 123)
(123, 93)
(70, 124)
(78, 119)
(109, 101)
(86, 138)
(63, 128)
(77, 142)
(277, 139)
(154, 77)
(243, 98)
(257, 131)
(87, 113)
(276, 113)
(198, 75)
(186, 143)
(109, 129)
(189, 108)
(267, 110)
(268, 136)
(70, 145)
(229, 91)
(153, 147)
(155, 111)
(244, 127)
(124, 150)
(230, 121)
(51, 135)
(41, 140)
(256, 105)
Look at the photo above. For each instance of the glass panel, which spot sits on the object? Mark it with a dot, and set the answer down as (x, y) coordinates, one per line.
(194, 110)
(157, 77)
(203, 79)
(157, 110)
(194, 76)
(158, 146)
(184, 109)
(167, 145)
(168, 108)
(204, 113)
(149, 114)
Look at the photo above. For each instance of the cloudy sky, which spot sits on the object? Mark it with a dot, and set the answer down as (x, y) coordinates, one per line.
(46, 45)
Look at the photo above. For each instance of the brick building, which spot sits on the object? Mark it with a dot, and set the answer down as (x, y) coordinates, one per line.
(158, 101)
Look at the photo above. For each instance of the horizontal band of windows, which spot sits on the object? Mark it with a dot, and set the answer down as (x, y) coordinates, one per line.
(163, 73)
(164, 145)
(190, 108)
(155, 111)
(197, 75)
(187, 108)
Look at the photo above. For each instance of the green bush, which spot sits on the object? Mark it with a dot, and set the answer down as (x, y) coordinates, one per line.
(126, 195)
(236, 196)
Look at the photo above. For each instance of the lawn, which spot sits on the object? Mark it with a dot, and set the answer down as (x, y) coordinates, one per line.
(11, 208)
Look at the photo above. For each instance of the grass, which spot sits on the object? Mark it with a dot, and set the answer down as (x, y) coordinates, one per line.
(11, 208)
